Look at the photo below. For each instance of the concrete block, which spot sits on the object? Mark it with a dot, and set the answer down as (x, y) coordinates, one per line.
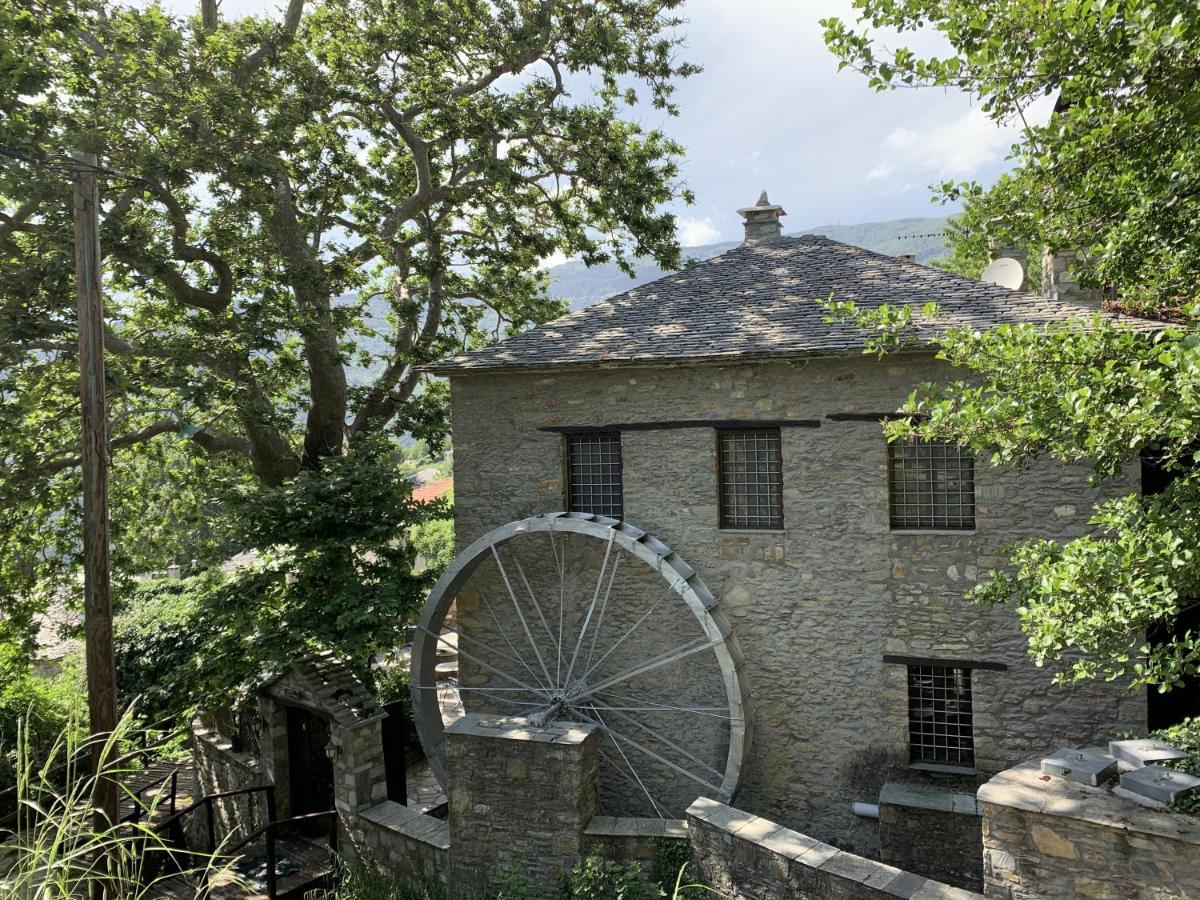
(1082, 766)
(1144, 752)
(1160, 783)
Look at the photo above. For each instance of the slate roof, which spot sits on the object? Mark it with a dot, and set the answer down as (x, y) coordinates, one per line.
(757, 301)
(326, 681)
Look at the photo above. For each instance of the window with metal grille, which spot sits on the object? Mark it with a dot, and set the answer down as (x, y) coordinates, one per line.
(751, 467)
(931, 485)
(940, 725)
(594, 474)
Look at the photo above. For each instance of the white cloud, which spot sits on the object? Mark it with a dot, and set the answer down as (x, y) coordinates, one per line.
(694, 232)
(557, 258)
(959, 148)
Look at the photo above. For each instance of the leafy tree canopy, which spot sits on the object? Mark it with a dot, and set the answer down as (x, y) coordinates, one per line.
(1115, 173)
(297, 214)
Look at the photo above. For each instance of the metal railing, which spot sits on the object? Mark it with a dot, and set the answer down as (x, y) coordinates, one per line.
(172, 829)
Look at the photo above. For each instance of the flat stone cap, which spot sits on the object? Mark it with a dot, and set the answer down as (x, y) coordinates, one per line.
(519, 728)
(922, 796)
(1026, 787)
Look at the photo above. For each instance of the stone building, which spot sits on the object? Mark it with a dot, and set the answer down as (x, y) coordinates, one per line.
(743, 430)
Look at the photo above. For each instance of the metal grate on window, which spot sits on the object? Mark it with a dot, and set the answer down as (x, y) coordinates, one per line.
(594, 474)
(931, 485)
(940, 724)
(751, 467)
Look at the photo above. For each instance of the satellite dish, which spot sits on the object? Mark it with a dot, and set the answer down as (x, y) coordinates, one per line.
(1006, 272)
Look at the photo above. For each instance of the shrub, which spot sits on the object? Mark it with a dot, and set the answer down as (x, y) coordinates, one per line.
(603, 879)
(434, 541)
(155, 638)
(1185, 736)
(34, 714)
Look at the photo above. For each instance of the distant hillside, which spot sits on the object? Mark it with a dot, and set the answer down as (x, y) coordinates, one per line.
(581, 286)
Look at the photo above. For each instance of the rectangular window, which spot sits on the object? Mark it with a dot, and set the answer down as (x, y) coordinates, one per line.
(940, 724)
(594, 474)
(750, 462)
(931, 484)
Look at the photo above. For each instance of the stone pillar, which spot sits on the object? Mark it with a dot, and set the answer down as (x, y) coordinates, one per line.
(762, 219)
(1058, 280)
(359, 778)
(521, 796)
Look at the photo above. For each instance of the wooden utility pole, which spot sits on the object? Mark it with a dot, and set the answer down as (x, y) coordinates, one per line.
(97, 608)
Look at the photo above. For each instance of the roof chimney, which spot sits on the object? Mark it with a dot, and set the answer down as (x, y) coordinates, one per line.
(762, 219)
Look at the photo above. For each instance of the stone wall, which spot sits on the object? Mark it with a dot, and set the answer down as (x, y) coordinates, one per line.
(520, 795)
(632, 840)
(220, 768)
(932, 832)
(406, 844)
(744, 856)
(1045, 837)
(818, 605)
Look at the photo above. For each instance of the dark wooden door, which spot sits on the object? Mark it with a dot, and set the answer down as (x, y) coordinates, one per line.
(310, 771)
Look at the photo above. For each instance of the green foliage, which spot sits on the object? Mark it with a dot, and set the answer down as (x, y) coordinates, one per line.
(1185, 736)
(57, 852)
(1083, 392)
(672, 856)
(36, 714)
(155, 636)
(305, 212)
(603, 879)
(1113, 173)
(434, 541)
(365, 882)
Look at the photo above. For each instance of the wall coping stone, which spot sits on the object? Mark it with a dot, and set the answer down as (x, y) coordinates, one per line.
(816, 854)
(516, 728)
(410, 823)
(920, 796)
(223, 744)
(610, 826)
(1026, 788)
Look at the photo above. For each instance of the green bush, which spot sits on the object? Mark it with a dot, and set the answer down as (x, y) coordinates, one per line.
(1185, 736)
(434, 541)
(37, 711)
(603, 879)
(155, 639)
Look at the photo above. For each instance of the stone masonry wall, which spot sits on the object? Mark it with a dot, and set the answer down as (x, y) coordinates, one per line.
(519, 795)
(220, 768)
(744, 856)
(932, 832)
(817, 605)
(1045, 837)
(633, 840)
(409, 846)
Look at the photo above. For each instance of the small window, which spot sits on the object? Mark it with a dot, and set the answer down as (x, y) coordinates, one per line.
(751, 468)
(594, 474)
(931, 485)
(940, 723)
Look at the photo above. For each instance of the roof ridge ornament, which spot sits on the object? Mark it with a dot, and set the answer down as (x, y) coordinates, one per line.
(762, 219)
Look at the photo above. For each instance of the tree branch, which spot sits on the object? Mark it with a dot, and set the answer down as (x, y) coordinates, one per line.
(211, 442)
(16, 221)
(254, 60)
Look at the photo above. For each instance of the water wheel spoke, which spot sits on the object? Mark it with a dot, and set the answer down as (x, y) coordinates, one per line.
(520, 615)
(484, 664)
(632, 771)
(591, 606)
(687, 773)
(683, 651)
(504, 634)
(656, 735)
(603, 608)
(670, 592)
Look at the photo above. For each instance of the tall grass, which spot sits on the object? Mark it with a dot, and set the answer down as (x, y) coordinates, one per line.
(56, 852)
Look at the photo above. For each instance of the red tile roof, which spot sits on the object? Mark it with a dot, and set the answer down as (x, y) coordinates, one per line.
(433, 490)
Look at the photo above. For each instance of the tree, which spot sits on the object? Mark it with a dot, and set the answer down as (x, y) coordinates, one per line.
(297, 215)
(1115, 173)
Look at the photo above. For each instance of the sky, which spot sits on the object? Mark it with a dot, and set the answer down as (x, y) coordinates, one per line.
(771, 112)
